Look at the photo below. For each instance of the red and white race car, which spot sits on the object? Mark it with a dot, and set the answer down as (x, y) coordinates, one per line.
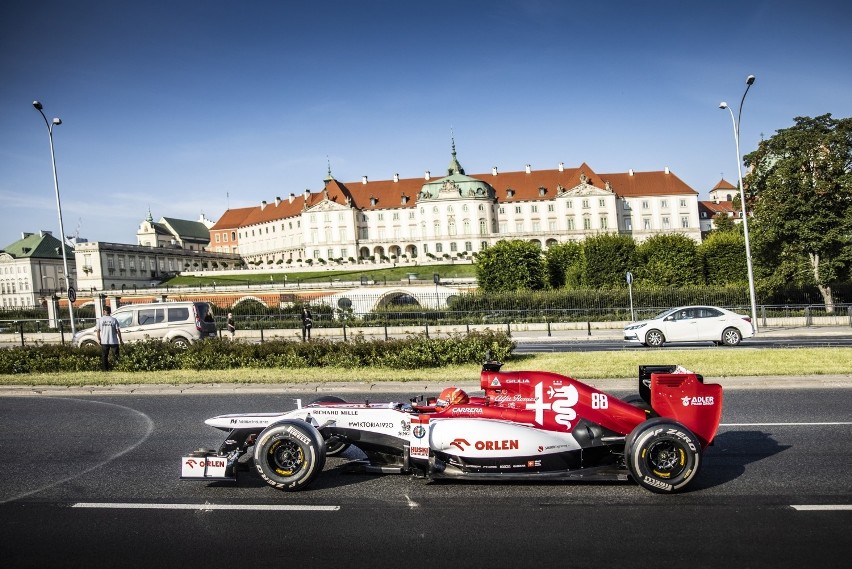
(528, 425)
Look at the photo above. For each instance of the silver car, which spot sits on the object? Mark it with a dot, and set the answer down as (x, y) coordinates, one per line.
(691, 324)
(180, 323)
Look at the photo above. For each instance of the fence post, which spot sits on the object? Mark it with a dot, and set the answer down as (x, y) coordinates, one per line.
(261, 334)
(427, 330)
(508, 329)
(21, 330)
(548, 329)
(386, 332)
(808, 320)
(763, 316)
(589, 325)
(344, 331)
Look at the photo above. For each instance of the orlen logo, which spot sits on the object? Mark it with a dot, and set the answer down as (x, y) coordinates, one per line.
(687, 401)
(506, 444)
(210, 463)
(564, 398)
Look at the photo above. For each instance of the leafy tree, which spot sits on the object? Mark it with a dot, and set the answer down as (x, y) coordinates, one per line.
(722, 222)
(608, 257)
(669, 260)
(564, 262)
(511, 265)
(800, 192)
(724, 256)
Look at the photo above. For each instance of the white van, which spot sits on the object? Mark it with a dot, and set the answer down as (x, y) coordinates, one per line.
(180, 323)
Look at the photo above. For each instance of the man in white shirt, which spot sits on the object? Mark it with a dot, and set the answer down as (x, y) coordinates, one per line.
(109, 336)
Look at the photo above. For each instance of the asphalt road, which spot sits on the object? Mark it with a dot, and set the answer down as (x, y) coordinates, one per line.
(93, 482)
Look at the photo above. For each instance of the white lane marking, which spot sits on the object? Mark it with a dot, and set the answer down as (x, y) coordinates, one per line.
(825, 424)
(820, 508)
(268, 507)
(411, 503)
(149, 429)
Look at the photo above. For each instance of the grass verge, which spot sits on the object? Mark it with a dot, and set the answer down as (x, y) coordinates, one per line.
(711, 362)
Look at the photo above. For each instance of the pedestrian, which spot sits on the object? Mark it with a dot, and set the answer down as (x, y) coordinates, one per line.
(307, 323)
(232, 328)
(109, 336)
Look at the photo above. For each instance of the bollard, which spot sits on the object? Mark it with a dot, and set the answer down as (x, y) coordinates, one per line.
(427, 330)
(21, 330)
(386, 332)
(548, 329)
(589, 324)
(261, 335)
(468, 328)
(344, 332)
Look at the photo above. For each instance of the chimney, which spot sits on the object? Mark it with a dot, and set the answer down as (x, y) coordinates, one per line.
(494, 171)
(277, 201)
(262, 205)
(396, 178)
(428, 175)
(630, 172)
(364, 180)
(291, 198)
(528, 169)
(562, 166)
(667, 169)
(307, 195)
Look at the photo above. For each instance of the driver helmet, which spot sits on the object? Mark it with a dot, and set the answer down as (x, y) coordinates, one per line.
(452, 396)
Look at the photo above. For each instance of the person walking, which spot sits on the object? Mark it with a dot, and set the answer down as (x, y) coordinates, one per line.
(109, 336)
(232, 327)
(307, 323)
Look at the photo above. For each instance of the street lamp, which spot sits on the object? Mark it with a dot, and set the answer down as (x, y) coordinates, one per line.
(736, 122)
(50, 126)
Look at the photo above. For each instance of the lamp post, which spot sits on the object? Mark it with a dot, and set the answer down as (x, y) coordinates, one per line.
(736, 122)
(50, 125)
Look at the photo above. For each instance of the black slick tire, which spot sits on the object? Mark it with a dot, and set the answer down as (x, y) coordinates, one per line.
(662, 455)
(289, 455)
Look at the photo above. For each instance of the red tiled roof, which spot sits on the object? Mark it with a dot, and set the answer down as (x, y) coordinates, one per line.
(724, 185)
(232, 218)
(721, 207)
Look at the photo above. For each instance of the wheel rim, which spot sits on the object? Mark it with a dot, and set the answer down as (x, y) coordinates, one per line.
(732, 337)
(285, 457)
(654, 338)
(665, 458)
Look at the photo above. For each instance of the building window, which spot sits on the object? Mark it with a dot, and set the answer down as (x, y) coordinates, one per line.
(604, 223)
(551, 225)
(645, 204)
(601, 203)
(682, 203)
(570, 223)
(628, 224)
(437, 228)
(466, 227)
(453, 247)
(664, 204)
(504, 228)
(439, 247)
(585, 204)
(534, 209)
(536, 227)
(587, 223)
(517, 209)
(646, 223)
(551, 208)
(519, 227)
(684, 222)
(666, 223)
(468, 246)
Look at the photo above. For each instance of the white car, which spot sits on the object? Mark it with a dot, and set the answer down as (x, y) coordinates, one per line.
(691, 324)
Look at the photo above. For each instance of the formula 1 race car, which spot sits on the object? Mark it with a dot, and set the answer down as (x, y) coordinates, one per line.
(529, 425)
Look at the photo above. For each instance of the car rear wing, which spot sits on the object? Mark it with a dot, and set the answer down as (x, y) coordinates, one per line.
(675, 392)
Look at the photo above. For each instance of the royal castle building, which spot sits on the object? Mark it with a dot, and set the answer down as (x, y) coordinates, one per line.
(455, 215)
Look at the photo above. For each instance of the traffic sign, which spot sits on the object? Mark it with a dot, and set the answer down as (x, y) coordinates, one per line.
(72, 294)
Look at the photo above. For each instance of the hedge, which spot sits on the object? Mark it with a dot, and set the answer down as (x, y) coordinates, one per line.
(414, 352)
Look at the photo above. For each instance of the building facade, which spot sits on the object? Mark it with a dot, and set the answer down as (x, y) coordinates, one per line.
(32, 268)
(119, 266)
(171, 232)
(721, 203)
(456, 215)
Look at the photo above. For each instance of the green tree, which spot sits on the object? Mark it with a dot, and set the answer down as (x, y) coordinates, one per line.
(511, 265)
(724, 256)
(565, 266)
(608, 258)
(669, 260)
(799, 189)
(722, 222)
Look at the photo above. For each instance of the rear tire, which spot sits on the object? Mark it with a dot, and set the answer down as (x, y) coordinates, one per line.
(654, 338)
(662, 455)
(180, 342)
(731, 337)
(289, 454)
(335, 448)
(88, 344)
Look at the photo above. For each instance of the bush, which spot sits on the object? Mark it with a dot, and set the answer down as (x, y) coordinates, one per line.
(413, 352)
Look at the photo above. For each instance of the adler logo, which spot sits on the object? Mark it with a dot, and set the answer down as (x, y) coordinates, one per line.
(697, 401)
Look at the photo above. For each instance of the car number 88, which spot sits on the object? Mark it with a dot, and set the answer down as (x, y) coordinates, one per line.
(600, 401)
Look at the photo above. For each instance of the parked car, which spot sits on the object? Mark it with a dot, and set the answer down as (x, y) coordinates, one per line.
(691, 324)
(180, 323)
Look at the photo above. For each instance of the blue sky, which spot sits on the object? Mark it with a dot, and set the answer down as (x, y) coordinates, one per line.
(193, 106)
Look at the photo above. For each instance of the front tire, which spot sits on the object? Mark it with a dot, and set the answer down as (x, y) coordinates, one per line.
(654, 338)
(662, 455)
(731, 337)
(180, 342)
(289, 455)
